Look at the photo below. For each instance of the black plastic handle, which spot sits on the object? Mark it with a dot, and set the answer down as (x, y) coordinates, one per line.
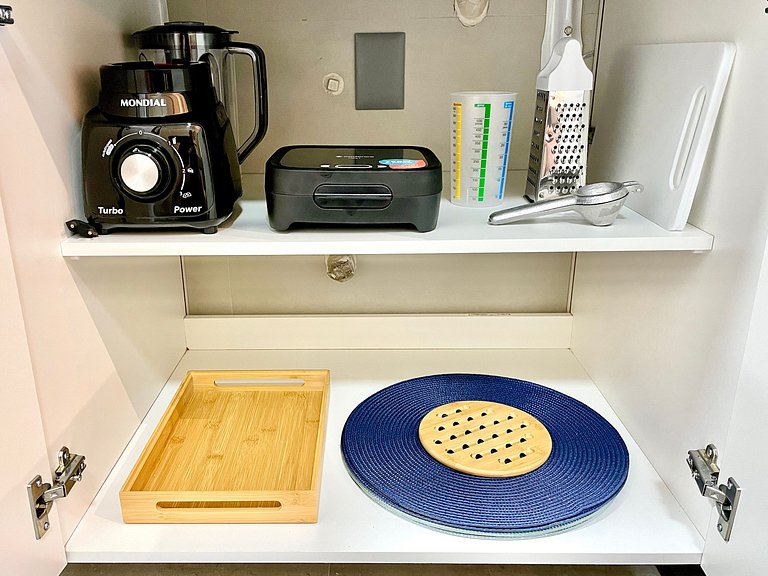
(259, 61)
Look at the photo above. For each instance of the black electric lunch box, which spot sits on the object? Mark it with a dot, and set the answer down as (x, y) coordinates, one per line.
(353, 185)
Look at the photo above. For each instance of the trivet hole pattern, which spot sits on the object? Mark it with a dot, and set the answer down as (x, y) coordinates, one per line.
(485, 438)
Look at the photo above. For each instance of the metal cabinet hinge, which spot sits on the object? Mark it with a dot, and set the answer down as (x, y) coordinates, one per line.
(5, 15)
(706, 472)
(42, 494)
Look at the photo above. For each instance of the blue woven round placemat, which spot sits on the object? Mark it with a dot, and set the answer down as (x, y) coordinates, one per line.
(382, 451)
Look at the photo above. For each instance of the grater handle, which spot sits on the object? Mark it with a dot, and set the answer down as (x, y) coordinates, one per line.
(560, 15)
(531, 210)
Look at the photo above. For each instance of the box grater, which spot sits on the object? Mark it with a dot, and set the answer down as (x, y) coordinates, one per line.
(558, 159)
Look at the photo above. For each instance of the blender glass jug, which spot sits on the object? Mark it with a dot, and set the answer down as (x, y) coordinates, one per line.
(185, 42)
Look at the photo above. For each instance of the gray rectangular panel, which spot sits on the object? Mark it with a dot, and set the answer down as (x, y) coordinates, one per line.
(380, 71)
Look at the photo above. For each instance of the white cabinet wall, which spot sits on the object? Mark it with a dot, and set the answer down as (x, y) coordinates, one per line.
(662, 335)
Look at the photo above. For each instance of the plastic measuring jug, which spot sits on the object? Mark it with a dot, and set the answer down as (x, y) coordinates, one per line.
(481, 128)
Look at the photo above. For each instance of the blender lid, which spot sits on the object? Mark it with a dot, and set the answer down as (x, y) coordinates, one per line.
(175, 34)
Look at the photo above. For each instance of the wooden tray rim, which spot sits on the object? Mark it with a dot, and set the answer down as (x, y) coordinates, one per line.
(322, 376)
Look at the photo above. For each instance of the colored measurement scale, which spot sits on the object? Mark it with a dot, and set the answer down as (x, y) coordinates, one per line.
(456, 150)
(482, 126)
(509, 106)
(480, 151)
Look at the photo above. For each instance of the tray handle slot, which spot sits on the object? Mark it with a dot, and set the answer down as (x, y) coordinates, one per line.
(229, 382)
(219, 505)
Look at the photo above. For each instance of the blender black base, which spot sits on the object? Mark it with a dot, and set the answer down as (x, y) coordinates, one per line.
(94, 229)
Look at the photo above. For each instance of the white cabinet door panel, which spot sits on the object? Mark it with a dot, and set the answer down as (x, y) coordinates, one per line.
(21, 430)
(746, 554)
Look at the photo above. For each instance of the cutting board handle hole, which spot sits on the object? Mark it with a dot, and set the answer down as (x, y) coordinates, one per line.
(219, 505)
(227, 382)
(687, 136)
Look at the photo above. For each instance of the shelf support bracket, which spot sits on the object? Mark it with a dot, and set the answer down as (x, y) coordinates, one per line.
(340, 267)
(706, 473)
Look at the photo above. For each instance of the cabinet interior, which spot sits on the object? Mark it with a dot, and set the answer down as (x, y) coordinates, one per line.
(661, 335)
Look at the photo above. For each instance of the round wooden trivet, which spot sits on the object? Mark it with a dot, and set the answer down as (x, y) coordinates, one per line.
(485, 438)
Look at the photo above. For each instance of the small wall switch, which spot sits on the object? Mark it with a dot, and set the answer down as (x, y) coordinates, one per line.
(380, 71)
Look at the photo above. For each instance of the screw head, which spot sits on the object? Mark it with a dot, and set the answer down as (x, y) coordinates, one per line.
(568, 30)
(46, 526)
(333, 84)
(719, 527)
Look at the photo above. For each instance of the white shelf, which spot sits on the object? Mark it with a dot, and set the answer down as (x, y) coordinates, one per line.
(459, 231)
(642, 525)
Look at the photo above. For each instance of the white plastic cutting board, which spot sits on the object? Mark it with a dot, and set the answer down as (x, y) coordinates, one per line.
(655, 114)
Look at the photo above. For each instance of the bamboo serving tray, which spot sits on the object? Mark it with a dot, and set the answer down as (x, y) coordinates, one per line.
(234, 447)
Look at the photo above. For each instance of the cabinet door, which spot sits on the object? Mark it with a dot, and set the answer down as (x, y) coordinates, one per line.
(21, 428)
(746, 553)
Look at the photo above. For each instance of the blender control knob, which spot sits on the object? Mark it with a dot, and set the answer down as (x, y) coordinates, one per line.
(139, 172)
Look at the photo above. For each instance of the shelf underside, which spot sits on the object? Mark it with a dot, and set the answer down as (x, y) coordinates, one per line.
(459, 231)
(643, 525)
